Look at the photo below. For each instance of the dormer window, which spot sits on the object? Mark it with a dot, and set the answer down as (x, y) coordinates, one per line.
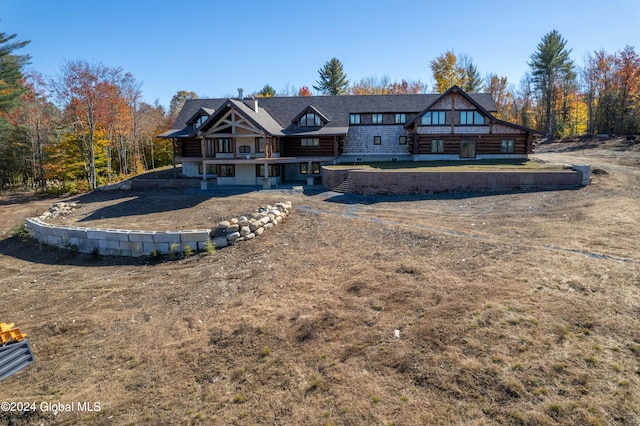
(310, 120)
(200, 121)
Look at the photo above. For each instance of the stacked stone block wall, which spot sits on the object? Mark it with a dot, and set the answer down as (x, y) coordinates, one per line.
(121, 242)
(371, 182)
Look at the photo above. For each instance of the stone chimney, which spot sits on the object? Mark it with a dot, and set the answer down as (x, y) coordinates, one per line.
(240, 93)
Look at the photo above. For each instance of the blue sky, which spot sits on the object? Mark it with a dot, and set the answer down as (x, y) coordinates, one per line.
(214, 47)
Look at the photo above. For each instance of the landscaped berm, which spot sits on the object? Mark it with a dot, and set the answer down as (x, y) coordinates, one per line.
(461, 308)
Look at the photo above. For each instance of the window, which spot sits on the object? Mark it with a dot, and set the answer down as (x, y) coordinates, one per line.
(274, 170)
(471, 117)
(437, 146)
(507, 146)
(209, 147)
(304, 168)
(376, 118)
(259, 144)
(401, 118)
(226, 170)
(433, 118)
(403, 140)
(225, 145)
(310, 120)
(244, 149)
(211, 169)
(200, 121)
(377, 140)
(354, 118)
(310, 142)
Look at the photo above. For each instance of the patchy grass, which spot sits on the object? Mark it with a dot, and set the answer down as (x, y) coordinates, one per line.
(511, 309)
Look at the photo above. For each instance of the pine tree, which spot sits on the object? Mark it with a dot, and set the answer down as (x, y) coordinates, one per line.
(333, 80)
(266, 92)
(551, 68)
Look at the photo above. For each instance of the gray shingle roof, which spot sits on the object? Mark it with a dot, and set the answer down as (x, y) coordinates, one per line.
(283, 110)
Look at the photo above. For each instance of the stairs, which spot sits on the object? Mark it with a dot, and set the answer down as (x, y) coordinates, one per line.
(343, 186)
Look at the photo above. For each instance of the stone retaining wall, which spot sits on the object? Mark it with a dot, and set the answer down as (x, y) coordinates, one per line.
(373, 182)
(120, 242)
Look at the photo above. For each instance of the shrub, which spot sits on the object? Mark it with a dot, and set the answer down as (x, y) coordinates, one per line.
(95, 253)
(22, 232)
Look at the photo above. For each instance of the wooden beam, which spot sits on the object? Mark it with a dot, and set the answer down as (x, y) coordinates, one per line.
(453, 109)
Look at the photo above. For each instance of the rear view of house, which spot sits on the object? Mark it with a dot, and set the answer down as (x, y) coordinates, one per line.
(288, 139)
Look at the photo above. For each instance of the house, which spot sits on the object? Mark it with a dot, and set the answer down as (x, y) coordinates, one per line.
(287, 139)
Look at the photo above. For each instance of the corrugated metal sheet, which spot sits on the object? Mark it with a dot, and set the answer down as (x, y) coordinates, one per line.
(14, 357)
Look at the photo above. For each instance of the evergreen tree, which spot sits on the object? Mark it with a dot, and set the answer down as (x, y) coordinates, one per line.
(11, 87)
(267, 92)
(551, 70)
(333, 80)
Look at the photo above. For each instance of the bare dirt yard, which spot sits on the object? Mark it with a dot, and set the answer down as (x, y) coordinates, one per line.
(474, 309)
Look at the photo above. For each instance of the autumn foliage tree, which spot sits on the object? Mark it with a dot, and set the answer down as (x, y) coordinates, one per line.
(449, 70)
(304, 91)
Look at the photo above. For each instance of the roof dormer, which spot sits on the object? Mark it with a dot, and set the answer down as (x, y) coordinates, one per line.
(199, 118)
(310, 117)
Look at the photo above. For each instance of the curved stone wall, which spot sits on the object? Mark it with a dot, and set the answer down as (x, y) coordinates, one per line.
(121, 242)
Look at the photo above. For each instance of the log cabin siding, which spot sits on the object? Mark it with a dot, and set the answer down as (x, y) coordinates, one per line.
(291, 147)
(487, 144)
(191, 148)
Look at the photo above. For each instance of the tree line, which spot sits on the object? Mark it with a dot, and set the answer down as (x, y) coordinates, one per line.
(90, 126)
(84, 128)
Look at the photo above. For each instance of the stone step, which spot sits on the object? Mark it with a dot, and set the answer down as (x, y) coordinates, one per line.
(343, 186)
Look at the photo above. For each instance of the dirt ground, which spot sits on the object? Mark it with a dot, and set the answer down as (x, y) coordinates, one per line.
(474, 309)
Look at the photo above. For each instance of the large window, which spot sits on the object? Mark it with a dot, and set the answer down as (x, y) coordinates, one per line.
(225, 145)
(433, 118)
(259, 144)
(304, 168)
(437, 146)
(471, 117)
(507, 146)
(310, 120)
(226, 170)
(211, 169)
(274, 170)
(376, 118)
(310, 142)
(400, 118)
(354, 118)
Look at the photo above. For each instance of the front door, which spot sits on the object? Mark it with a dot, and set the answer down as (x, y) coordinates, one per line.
(467, 149)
